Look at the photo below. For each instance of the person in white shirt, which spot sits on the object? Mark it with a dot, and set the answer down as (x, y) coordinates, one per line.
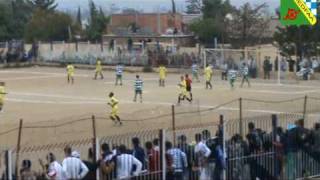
(73, 167)
(55, 171)
(125, 163)
(202, 152)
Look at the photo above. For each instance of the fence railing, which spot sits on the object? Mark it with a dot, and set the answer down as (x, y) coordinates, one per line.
(271, 161)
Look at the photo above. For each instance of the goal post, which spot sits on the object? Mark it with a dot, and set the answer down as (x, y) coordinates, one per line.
(254, 57)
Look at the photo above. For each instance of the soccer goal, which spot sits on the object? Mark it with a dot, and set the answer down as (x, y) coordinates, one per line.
(221, 59)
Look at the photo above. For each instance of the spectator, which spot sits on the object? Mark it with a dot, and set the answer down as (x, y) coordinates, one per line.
(283, 68)
(279, 143)
(220, 162)
(255, 147)
(153, 158)
(72, 166)
(26, 173)
(106, 162)
(254, 140)
(206, 135)
(266, 67)
(125, 163)
(92, 166)
(237, 167)
(138, 152)
(156, 144)
(189, 151)
(297, 137)
(252, 67)
(179, 162)
(315, 134)
(202, 153)
(55, 171)
(224, 71)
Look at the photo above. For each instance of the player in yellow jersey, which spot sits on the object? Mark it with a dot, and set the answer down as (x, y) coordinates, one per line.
(208, 75)
(113, 103)
(98, 70)
(2, 93)
(183, 90)
(162, 75)
(70, 71)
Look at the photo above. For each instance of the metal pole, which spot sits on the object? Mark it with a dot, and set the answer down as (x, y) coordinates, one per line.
(94, 137)
(8, 165)
(18, 149)
(274, 119)
(97, 155)
(162, 141)
(305, 107)
(240, 117)
(279, 69)
(173, 125)
(222, 122)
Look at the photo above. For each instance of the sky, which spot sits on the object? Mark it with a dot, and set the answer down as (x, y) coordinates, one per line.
(148, 5)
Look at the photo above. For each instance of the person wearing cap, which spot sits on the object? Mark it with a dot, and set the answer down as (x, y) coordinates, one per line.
(98, 70)
(73, 167)
(113, 103)
(2, 94)
(70, 73)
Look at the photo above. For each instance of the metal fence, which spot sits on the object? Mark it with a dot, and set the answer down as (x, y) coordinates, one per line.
(273, 158)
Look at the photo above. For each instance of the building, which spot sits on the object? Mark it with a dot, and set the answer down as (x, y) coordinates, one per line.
(145, 23)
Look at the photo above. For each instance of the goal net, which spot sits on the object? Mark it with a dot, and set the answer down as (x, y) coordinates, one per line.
(222, 59)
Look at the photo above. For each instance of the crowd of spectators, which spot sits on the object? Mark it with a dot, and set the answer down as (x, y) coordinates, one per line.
(263, 155)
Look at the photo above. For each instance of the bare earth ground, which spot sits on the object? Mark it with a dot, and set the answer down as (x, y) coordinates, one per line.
(42, 97)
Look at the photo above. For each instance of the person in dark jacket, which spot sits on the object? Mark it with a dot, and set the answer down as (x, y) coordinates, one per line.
(138, 151)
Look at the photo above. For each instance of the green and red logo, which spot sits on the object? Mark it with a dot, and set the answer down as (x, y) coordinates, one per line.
(298, 12)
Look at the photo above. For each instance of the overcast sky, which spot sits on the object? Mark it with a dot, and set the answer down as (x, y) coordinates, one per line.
(148, 5)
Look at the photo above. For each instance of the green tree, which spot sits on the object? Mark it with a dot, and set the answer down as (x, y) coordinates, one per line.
(194, 6)
(212, 24)
(45, 26)
(248, 25)
(4, 22)
(79, 19)
(97, 24)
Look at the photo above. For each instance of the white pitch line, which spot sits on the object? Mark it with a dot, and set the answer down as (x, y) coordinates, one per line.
(30, 77)
(94, 101)
(43, 73)
(280, 92)
(145, 102)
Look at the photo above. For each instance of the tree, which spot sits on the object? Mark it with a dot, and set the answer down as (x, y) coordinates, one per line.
(173, 7)
(14, 16)
(194, 6)
(43, 4)
(4, 22)
(79, 19)
(248, 25)
(46, 26)
(212, 24)
(97, 24)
